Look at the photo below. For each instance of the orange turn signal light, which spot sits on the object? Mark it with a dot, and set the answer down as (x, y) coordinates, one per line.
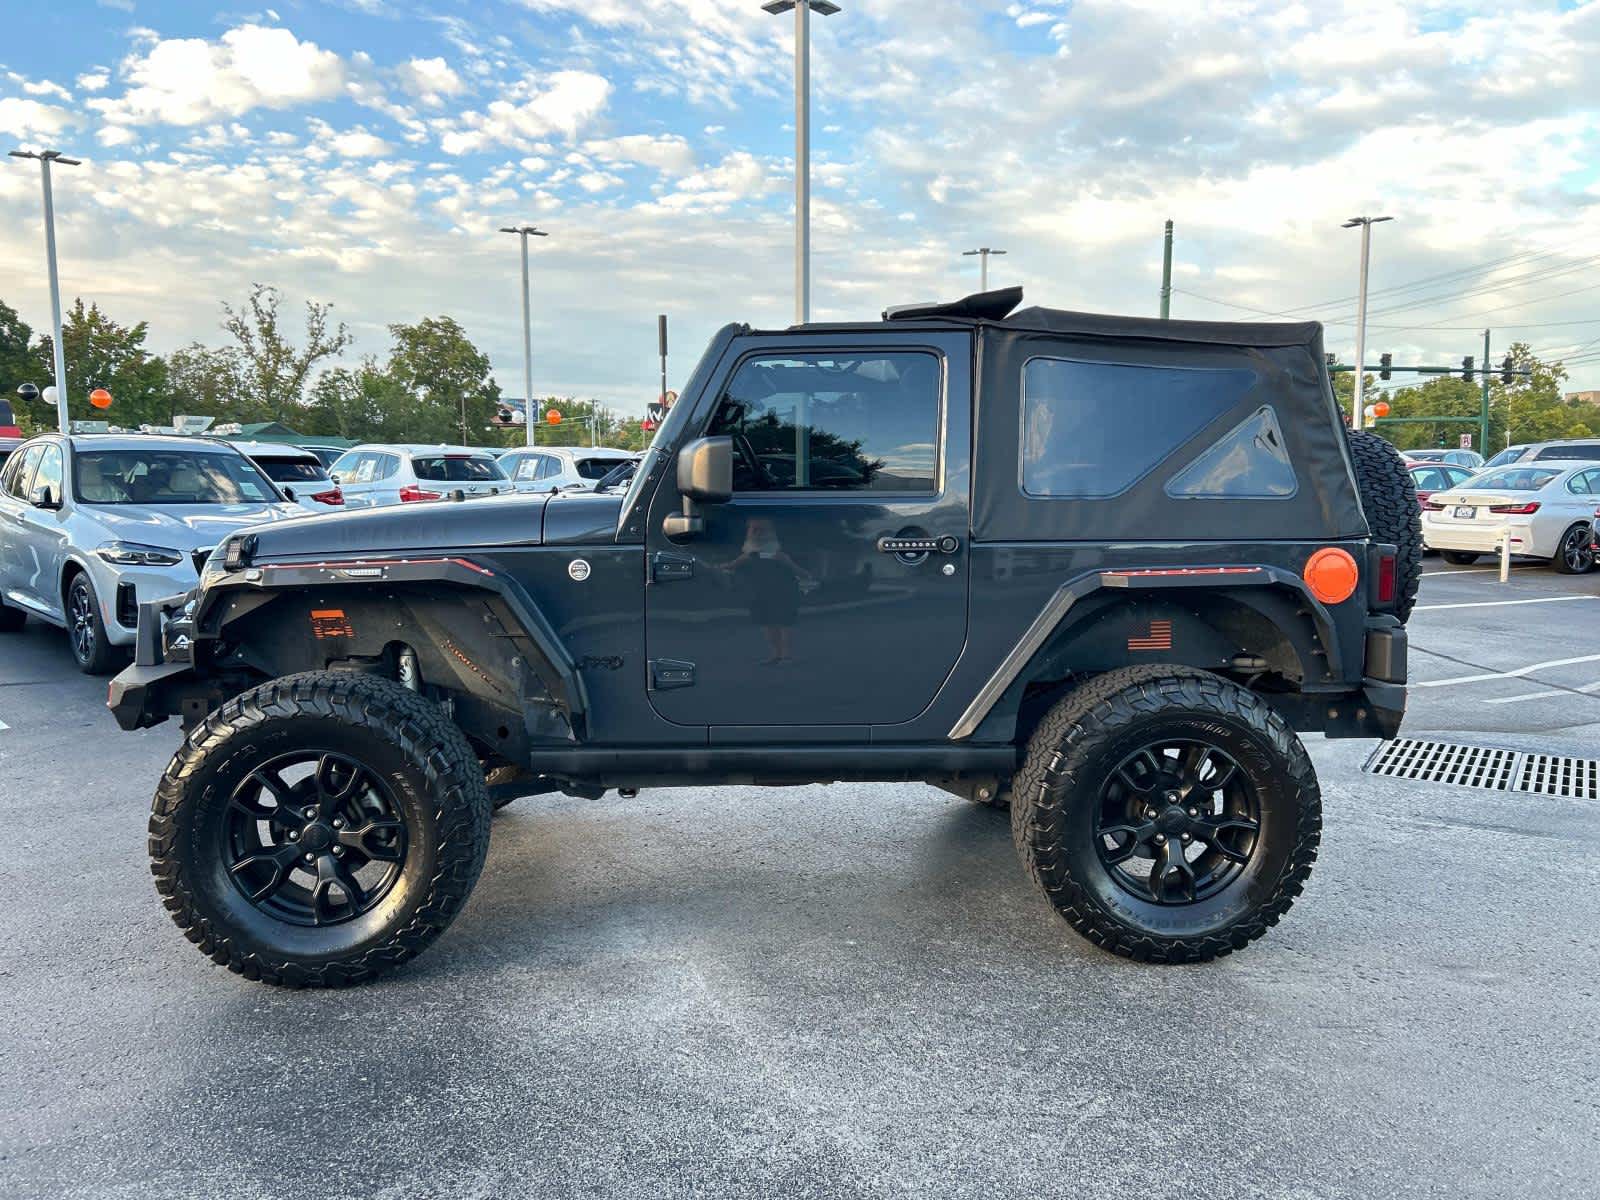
(1331, 574)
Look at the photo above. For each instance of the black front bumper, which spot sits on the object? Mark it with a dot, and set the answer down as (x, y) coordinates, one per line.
(153, 688)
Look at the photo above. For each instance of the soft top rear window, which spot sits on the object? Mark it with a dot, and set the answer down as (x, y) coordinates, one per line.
(450, 468)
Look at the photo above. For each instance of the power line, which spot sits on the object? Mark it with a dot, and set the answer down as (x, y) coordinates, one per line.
(1526, 255)
(1491, 288)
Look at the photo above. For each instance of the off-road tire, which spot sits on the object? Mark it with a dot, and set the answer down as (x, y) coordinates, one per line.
(1082, 738)
(101, 657)
(1389, 499)
(437, 784)
(1459, 558)
(1580, 564)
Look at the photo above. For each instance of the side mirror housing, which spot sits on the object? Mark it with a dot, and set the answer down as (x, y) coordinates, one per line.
(44, 496)
(705, 470)
(705, 476)
(288, 494)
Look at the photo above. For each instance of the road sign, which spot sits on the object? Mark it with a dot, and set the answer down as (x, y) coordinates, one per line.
(1466, 441)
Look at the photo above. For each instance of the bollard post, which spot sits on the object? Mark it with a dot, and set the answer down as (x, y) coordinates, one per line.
(1505, 560)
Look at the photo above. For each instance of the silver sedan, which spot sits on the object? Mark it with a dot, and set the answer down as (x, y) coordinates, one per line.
(93, 525)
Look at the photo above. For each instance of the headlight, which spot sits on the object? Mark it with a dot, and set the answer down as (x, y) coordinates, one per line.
(132, 554)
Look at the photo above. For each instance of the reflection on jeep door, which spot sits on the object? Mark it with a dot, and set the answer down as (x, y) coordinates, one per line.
(796, 604)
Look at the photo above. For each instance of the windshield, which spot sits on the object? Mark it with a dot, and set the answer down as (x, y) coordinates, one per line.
(292, 470)
(1513, 479)
(1509, 455)
(458, 468)
(168, 477)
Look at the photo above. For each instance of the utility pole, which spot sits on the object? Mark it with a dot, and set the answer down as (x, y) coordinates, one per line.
(1366, 223)
(46, 157)
(661, 345)
(802, 143)
(530, 414)
(983, 270)
(1483, 414)
(1166, 274)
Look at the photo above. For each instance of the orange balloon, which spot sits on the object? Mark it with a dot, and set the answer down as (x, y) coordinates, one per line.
(100, 398)
(553, 416)
(1381, 408)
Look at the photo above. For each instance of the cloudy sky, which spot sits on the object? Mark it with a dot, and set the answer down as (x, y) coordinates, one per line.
(365, 152)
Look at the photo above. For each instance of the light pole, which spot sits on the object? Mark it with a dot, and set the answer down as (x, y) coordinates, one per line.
(802, 143)
(46, 157)
(530, 416)
(983, 270)
(1366, 224)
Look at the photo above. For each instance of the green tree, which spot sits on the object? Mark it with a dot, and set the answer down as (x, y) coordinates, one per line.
(366, 404)
(19, 365)
(275, 372)
(207, 381)
(103, 354)
(452, 394)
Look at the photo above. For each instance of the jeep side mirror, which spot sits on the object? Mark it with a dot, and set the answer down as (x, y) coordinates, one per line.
(705, 476)
(44, 496)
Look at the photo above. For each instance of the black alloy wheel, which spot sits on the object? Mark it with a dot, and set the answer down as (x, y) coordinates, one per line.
(86, 633)
(1177, 822)
(1575, 555)
(313, 838)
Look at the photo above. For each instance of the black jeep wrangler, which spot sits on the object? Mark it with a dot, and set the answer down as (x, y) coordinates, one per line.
(1096, 569)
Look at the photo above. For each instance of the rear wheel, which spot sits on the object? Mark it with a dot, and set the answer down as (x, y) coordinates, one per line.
(1459, 558)
(1389, 499)
(319, 829)
(1168, 814)
(86, 632)
(1575, 554)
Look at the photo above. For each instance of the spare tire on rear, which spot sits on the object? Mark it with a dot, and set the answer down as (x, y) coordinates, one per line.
(1389, 498)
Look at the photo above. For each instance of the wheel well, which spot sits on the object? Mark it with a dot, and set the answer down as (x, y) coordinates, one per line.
(68, 573)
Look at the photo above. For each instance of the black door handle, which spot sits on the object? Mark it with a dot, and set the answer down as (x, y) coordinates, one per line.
(948, 544)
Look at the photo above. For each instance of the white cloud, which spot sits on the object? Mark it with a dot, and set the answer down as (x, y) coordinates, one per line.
(188, 81)
(94, 81)
(567, 102)
(597, 181)
(25, 118)
(430, 80)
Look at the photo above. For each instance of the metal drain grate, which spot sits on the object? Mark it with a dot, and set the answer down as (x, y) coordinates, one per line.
(1488, 767)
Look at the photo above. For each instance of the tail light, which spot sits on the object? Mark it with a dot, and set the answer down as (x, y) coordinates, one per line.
(1516, 510)
(335, 496)
(1433, 506)
(1386, 578)
(412, 492)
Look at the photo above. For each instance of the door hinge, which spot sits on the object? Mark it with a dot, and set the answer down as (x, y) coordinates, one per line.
(668, 673)
(666, 567)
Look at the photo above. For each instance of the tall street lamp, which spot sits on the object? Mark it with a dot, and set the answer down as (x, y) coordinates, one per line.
(802, 143)
(46, 157)
(1366, 224)
(983, 254)
(530, 415)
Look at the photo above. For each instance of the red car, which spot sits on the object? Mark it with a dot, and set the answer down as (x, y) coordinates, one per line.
(1431, 477)
(8, 422)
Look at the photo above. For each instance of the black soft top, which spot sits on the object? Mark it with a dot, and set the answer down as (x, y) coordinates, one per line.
(999, 307)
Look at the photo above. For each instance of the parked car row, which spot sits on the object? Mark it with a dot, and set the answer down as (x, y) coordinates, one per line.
(1541, 508)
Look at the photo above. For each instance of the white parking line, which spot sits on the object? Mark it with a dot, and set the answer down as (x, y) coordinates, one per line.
(1502, 603)
(3, 725)
(1458, 571)
(1549, 691)
(1513, 674)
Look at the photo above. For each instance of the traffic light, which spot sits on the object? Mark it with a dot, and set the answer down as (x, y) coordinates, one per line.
(1466, 368)
(1505, 370)
(1333, 360)
(1385, 361)
(1441, 439)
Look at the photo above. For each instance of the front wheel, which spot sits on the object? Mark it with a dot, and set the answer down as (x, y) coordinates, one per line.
(1575, 554)
(1459, 558)
(1168, 814)
(319, 829)
(86, 631)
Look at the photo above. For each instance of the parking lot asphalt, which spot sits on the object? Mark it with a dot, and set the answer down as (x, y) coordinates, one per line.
(836, 991)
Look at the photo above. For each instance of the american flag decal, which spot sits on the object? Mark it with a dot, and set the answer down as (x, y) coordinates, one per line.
(1159, 637)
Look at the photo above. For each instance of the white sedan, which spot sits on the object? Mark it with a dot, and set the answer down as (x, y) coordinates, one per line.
(1545, 510)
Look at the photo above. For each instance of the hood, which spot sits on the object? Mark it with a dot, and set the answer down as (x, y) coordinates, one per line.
(509, 520)
(183, 526)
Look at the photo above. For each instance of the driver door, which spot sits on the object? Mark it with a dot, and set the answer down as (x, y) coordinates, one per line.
(787, 608)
